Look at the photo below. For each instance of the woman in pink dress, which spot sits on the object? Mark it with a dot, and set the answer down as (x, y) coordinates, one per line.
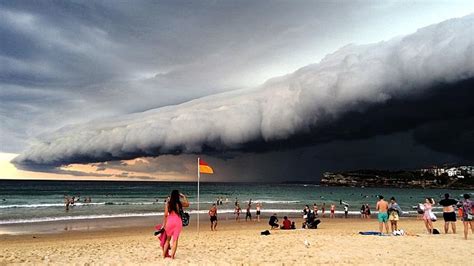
(172, 221)
(427, 214)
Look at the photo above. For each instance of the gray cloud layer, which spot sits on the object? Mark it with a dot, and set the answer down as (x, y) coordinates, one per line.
(351, 79)
(68, 62)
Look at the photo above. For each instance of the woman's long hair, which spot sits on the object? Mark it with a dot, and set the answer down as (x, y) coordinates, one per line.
(174, 203)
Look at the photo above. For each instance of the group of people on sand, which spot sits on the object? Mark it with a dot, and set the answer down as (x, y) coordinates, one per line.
(466, 205)
(248, 212)
(391, 211)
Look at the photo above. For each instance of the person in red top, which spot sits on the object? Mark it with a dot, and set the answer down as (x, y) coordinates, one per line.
(286, 223)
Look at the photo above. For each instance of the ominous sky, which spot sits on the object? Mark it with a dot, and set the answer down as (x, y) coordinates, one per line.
(265, 90)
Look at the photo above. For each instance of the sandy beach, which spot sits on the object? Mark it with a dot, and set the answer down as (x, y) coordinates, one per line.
(335, 242)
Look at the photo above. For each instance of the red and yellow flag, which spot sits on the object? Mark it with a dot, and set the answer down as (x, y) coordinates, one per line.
(204, 168)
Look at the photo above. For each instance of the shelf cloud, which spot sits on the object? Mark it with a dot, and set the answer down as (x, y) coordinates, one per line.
(351, 82)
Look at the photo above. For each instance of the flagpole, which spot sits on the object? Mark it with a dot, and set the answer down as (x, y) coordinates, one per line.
(199, 175)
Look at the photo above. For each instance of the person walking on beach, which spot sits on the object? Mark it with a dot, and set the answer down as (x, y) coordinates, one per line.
(333, 210)
(427, 214)
(449, 214)
(394, 211)
(213, 217)
(467, 215)
(346, 210)
(237, 212)
(172, 222)
(382, 216)
(258, 207)
(323, 209)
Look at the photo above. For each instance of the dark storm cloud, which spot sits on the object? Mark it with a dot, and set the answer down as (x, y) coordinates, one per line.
(68, 62)
(357, 92)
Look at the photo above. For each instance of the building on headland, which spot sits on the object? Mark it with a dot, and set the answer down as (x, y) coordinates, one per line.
(430, 177)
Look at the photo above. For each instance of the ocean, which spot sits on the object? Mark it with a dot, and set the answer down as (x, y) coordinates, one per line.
(26, 202)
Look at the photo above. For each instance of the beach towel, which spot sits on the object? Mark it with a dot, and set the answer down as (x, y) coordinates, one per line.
(369, 233)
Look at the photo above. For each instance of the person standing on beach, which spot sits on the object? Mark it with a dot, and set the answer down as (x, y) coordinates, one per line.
(382, 208)
(172, 222)
(346, 210)
(323, 209)
(248, 215)
(367, 211)
(237, 212)
(467, 216)
(362, 211)
(333, 210)
(427, 215)
(213, 217)
(394, 214)
(258, 207)
(315, 209)
(449, 214)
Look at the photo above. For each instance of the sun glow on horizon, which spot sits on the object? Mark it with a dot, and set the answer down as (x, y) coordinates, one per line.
(87, 172)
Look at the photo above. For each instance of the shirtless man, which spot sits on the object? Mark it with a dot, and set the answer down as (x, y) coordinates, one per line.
(213, 217)
(382, 208)
(449, 214)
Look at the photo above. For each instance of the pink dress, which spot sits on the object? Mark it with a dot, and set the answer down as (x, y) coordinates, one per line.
(174, 225)
(427, 212)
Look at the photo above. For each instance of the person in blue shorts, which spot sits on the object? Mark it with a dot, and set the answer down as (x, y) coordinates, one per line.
(382, 208)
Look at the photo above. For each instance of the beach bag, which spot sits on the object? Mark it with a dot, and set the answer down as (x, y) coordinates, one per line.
(184, 217)
(433, 217)
(420, 209)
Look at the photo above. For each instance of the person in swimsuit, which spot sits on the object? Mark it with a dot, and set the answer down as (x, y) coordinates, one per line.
(172, 222)
(449, 214)
(428, 205)
(248, 215)
(237, 212)
(394, 211)
(213, 217)
(258, 207)
(382, 216)
(315, 209)
(467, 206)
(323, 209)
(333, 210)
